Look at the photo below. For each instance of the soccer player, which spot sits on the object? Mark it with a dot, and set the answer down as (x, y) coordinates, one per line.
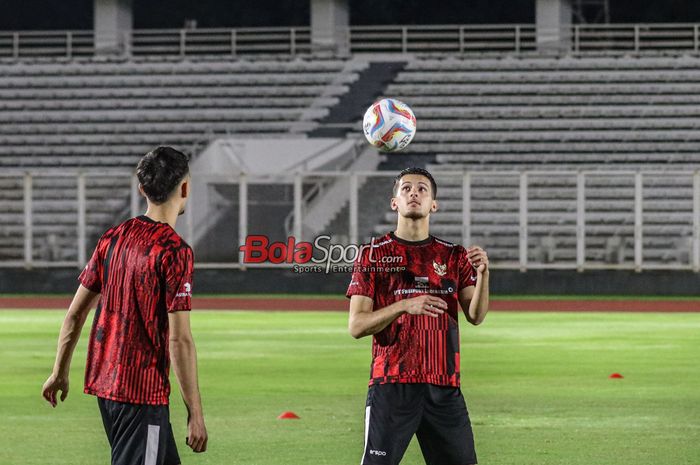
(412, 314)
(142, 269)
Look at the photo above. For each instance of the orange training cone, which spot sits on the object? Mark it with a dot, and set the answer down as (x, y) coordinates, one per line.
(616, 376)
(288, 416)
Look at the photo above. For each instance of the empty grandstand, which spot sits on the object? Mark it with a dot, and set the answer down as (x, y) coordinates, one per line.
(580, 155)
(96, 115)
(594, 116)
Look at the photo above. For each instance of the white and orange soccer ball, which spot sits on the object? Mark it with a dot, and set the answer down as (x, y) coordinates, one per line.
(389, 125)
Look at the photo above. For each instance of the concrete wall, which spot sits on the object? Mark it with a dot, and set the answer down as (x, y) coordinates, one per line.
(330, 20)
(113, 18)
(553, 21)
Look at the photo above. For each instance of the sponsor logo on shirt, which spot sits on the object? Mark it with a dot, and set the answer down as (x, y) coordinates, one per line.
(187, 287)
(421, 282)
(448, 244)
(423, 290)
(377, 452)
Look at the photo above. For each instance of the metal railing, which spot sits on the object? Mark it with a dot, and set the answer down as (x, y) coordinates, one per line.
(53, 44)
(507, 38)
(463, 186)
(292, 41)
(635, 38)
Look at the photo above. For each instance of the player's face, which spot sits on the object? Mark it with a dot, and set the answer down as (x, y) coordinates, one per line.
(414, 198)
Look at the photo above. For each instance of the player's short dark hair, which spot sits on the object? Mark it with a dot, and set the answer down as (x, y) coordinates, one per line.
(160, 171)
(415, 170)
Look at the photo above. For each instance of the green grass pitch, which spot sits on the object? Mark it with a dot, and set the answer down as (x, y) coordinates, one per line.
(536, 385)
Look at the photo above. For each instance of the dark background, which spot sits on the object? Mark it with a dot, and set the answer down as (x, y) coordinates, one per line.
(77, 14)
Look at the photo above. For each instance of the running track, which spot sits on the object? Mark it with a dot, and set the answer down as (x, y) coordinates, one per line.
(316, 304)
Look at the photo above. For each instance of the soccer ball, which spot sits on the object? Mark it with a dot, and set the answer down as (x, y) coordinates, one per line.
(389, 125)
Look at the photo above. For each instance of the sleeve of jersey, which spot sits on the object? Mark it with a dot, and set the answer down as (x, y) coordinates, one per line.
(91, 277)
(467, 273)
(179, 268)
(362, 280)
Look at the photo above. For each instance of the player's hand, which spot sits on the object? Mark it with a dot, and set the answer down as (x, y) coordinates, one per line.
(425, 305)
(51, 388)
(197, 434)
(478, 258)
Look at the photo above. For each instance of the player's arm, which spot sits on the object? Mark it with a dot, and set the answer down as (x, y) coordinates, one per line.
(474, 300)
(184, 358)
(364, 320)
(68, 338)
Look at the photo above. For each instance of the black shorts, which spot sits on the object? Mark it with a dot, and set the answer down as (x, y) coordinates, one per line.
(139, 434)
(436, 414)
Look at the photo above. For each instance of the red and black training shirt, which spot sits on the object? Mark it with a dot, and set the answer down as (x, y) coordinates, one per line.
(414, 348)
(143, 269)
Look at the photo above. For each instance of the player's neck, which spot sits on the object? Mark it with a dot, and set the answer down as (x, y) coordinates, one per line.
(412, 230)
(165, 213)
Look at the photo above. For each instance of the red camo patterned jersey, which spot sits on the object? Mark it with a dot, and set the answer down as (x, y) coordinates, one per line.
(414, 348)
(143, 269)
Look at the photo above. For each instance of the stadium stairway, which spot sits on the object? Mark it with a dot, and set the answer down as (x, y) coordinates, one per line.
(351, 106)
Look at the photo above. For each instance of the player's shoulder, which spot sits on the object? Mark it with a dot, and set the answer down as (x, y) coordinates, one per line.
(159, 233)
(162, 236)
(109, 234)
(455, 250)
(119, 229)
(382, 241)
(375, 245)
(172, 241)
(448, 244)
(377, 242)
(177, 253)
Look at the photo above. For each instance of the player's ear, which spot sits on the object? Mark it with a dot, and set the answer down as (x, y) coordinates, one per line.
(434, 206)
(141, 190)
(394, 205)
(185, 188)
